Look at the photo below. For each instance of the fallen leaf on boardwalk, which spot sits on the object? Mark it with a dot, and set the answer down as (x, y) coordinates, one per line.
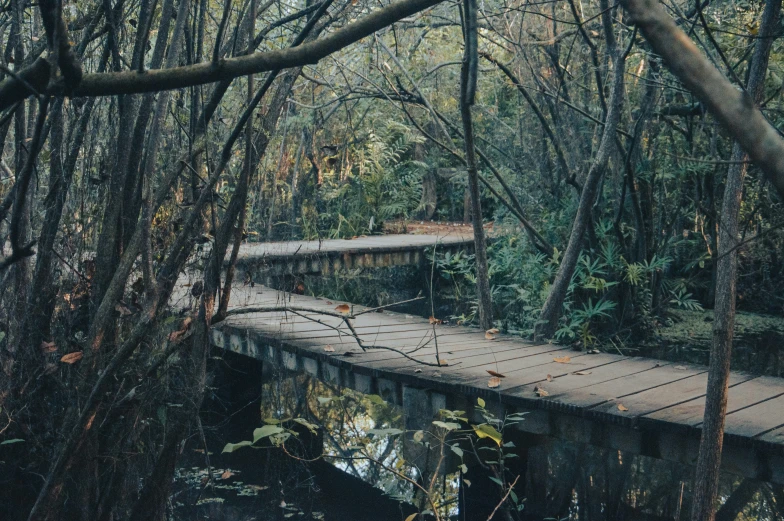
(343, 308)
(494, 382)
(594, 352)
(442, 361)
(489, 336)
(329, 349)
(549, 378)
(329, 302)
(622, 408)
(72, 358)
(680, 367)
(227, 474)
(562, 360)
(493, 331)
(582, 373)
(48, 347)
(540, 392)
(493, 373)
(436, 374)
(417, 370)
(434, 320)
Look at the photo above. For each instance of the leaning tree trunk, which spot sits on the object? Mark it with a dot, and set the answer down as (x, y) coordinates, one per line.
(706, 481)
(551, 312)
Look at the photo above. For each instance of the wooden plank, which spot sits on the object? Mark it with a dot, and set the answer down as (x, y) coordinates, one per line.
(645, 402)
(743, 395)
(757, 419)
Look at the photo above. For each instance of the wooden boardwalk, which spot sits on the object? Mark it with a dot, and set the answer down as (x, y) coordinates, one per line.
(639, 405)
(302, 257)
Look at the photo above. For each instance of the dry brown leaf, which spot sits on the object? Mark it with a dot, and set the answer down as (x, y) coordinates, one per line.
(72, 358)
(329, 349)
(442, 361)
(549, 378)
(493, 373)
(434, 320)
(680, 368)
(582, 373)
(540, 392)
(493, 331)
(176, 336)
(622, 408)
(227, 474)
(343, 308)
(329, 303)
(489, 336)
(562, 360)
(123, 309)
(48, 347)
(494, 382)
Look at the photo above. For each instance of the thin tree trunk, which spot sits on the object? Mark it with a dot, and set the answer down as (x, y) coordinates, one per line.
(706, 480)
(467, 92)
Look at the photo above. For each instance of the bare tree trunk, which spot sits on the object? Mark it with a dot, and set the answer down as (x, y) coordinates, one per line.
(551, 312)
(468, 90)
(706, 481)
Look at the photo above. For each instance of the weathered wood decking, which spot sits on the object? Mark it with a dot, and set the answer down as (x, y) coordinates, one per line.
(662, 401)
(301, 257)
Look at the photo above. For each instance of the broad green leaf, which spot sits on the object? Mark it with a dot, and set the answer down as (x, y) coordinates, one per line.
(457, 450)
(488, 431)
(480, 402)
(231, 447)
(266, 431)
(9, 442)
(449, 426)
(311, 427)
(376, 399)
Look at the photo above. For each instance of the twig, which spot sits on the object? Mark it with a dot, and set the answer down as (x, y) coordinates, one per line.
(503, 499)
(371, 310)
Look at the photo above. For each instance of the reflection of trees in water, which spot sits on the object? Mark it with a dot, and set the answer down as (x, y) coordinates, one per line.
(581, 482)
(561, 479)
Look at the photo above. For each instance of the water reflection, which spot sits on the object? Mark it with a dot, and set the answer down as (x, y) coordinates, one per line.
(357, 465)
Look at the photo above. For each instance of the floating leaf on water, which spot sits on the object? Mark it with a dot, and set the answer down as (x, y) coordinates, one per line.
(622, 408)
(72, 358)
(227, 474)
(493, 373)
(562, 359)
(343, 308)
(329, 349)
(540, 392)
(494, 382)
